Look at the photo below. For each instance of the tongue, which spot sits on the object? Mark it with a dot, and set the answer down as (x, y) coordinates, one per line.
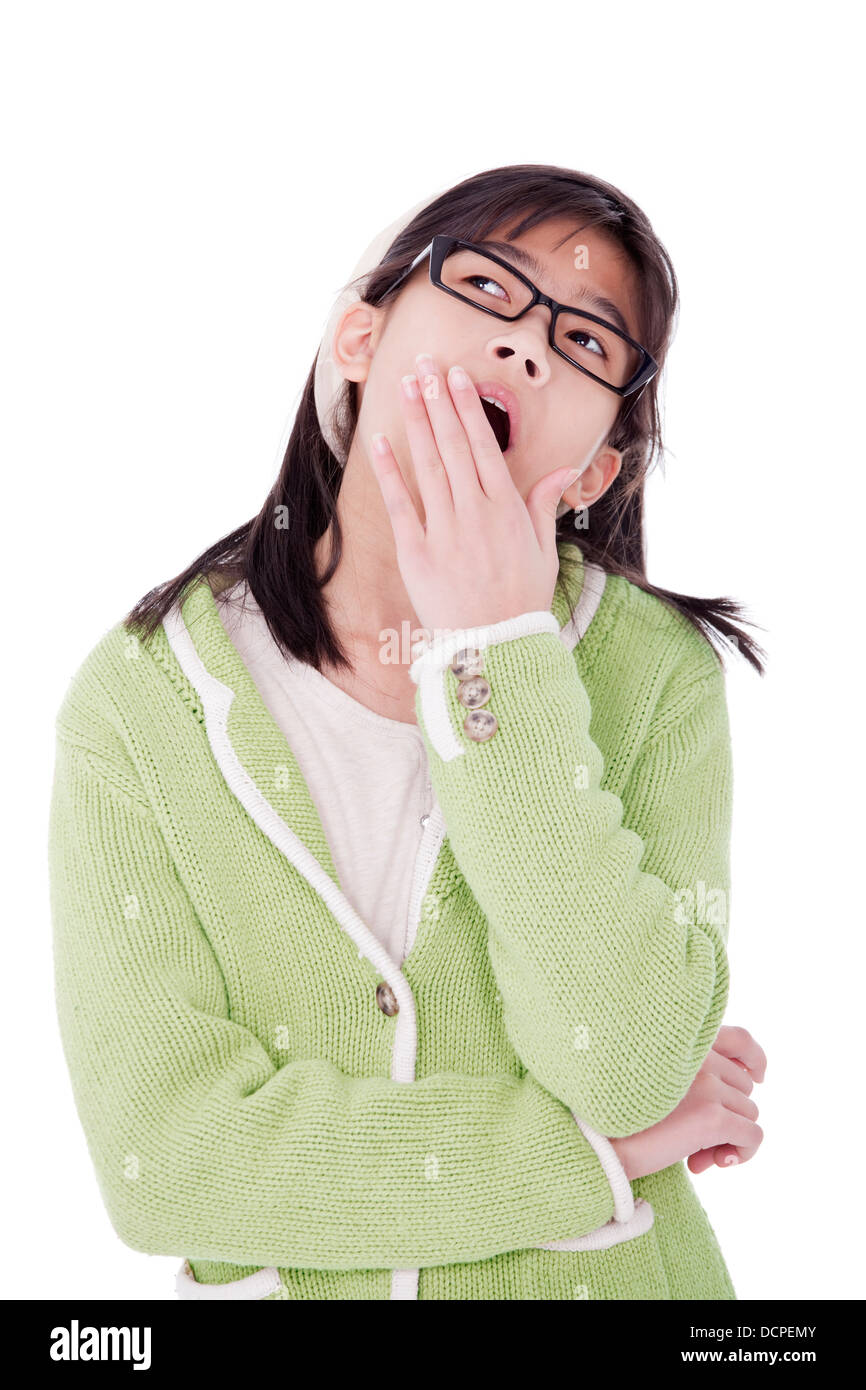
(499, 422)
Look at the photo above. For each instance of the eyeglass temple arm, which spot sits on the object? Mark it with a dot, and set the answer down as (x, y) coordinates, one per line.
(417, 261)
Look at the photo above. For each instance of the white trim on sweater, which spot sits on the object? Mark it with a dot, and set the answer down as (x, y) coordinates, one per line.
(611, 1233)
(592, 590)
(623, 1197)
(439, 653)
(257, 1285)
(217, 699)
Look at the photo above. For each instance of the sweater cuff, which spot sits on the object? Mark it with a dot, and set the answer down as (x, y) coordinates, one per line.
(434, 675)
(435, 655)
(630, 1218)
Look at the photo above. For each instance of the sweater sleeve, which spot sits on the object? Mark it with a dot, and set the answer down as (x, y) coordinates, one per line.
(608, 943)
(203, 1147)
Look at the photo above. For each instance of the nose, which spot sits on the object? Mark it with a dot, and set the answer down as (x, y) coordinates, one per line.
(529, 344)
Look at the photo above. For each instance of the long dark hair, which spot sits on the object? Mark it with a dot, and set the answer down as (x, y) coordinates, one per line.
(278, 560)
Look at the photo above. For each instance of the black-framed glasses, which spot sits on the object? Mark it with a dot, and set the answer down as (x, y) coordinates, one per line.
(591, 344)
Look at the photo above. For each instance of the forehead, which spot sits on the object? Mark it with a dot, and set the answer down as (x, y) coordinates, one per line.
(579, 266)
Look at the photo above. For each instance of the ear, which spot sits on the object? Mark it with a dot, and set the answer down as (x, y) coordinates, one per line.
(596, 477)
(355, 340)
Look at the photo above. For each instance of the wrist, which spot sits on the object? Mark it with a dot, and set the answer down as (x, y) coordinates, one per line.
(622, 1149)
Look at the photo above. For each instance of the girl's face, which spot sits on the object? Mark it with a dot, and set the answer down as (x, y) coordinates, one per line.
(564, 417)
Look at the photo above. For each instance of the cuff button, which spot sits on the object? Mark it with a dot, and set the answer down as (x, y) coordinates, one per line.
(473, 692)
(480, 724)
(468, 662)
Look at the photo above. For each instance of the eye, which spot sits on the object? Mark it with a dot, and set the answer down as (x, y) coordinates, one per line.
(586, 338)
(482, 281)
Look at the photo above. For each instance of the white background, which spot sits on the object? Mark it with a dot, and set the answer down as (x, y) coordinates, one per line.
(186, 187)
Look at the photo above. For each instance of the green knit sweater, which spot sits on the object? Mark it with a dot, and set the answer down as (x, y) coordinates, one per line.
(267, 1095)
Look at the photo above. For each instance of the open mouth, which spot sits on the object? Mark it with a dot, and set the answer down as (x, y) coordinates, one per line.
(499, 420)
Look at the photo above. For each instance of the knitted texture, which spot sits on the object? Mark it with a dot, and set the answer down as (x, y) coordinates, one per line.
(231, 1067)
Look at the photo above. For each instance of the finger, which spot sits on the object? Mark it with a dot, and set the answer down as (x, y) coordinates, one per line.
(731, 1072)
(734, 1100)
(541, 504)
(728, 1156)
(430, 472)
(405, 523)
(450, 436)
(735, 1074)
(743, 1136)
(740, 1046)
(721, 1156)
(494, 474)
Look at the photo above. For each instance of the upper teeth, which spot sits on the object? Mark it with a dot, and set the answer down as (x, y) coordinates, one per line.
(494, 401)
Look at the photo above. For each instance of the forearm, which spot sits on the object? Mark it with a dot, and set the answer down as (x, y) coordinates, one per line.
(611, 996)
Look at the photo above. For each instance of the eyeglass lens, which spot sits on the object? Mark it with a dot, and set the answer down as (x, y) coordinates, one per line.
(485, 283)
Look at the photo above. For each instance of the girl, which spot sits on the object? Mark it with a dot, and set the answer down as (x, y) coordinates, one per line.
(389, 841)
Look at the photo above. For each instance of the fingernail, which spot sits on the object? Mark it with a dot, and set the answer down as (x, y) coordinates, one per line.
(459, 377)
(410, 387)
(380, 444)
(731, 1159)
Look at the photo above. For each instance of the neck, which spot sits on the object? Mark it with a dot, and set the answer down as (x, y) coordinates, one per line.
(366, 594)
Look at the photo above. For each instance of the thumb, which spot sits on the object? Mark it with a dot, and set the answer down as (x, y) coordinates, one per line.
(544, 499)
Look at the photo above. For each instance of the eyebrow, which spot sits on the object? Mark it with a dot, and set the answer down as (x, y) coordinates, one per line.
(586, 296)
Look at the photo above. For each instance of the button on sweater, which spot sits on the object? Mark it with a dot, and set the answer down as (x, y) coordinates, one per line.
(249, 1104)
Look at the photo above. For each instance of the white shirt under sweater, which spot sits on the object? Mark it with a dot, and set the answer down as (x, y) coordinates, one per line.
(368, 775)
